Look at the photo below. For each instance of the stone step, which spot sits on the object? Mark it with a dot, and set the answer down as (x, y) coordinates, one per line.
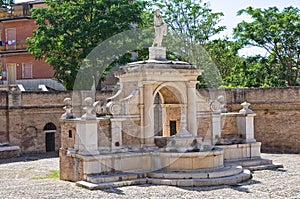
(105, 185)
(138, 179)
(217, 173)
(229, 180)
(9, 151)
(248, 162)
(265, 167)
(115, 177)
(223, 172)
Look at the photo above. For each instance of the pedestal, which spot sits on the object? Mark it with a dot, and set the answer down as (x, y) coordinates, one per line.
(246, 127)
(86, 139)
(157, 53)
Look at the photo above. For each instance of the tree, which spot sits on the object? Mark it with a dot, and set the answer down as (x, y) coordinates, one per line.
(224, 53)
(193, 19)
(6, 3)
(238, 71)
(69, 30)
(279, 34)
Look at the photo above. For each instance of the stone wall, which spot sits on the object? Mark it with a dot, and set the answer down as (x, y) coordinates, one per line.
(104, 134)
(277, 120)
(24, 115)
(3, 116)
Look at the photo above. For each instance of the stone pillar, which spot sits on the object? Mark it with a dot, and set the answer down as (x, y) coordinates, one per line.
(86, 139)
(216, 128)
(164, 121)
(116, 133)
(245, 122)
(192, 108)
(148, 115)
(246, 127)
(141, 107)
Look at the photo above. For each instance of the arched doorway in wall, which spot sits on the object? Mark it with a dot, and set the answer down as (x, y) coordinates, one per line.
(50, 131)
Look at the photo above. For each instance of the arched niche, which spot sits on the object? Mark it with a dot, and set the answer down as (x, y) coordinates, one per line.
(169, 104)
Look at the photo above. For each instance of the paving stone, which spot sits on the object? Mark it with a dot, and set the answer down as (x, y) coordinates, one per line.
(18, 179)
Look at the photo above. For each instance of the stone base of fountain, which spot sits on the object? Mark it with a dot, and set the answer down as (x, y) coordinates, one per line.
(185, 144)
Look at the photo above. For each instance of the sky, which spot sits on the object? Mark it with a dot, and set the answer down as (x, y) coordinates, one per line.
(230, 20)
(230, 8)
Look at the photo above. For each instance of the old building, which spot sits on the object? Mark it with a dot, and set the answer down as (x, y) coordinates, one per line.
(17, 65)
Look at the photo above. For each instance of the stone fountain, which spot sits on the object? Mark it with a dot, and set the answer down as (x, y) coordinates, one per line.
(158, 100)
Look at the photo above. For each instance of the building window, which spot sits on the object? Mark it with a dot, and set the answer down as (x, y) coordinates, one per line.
(70, 133)
(26, 70)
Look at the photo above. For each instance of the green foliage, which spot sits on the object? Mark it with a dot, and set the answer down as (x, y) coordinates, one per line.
(192, 19)
(29, 168)
(69, 30)
(237, 71)
(224, 53)
(192, 24)
(6, 3)
(279, 34)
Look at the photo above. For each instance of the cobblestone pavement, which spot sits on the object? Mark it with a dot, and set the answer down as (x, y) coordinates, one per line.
(25, 177)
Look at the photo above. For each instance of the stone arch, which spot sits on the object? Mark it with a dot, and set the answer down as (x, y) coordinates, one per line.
(173, 104)
(173, 88)
(50, 127)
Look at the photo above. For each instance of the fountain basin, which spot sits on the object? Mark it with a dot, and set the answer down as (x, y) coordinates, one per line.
(172, 161)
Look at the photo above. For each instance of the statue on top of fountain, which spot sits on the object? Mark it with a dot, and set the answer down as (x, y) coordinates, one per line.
(160, 29)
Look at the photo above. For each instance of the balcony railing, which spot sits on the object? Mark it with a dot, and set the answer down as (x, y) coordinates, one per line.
(19, 45)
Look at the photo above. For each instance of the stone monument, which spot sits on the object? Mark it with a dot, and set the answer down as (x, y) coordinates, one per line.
(151, 131)
(160, 29)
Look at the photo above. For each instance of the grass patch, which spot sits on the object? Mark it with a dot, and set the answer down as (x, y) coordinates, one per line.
(52, 175)
(29, 168)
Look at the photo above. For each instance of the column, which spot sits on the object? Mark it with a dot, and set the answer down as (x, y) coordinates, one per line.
(148, 115)
(141, 107)
(216, 128)
(164, 121)
(116, 134)
(192, 108)
(250, 128)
